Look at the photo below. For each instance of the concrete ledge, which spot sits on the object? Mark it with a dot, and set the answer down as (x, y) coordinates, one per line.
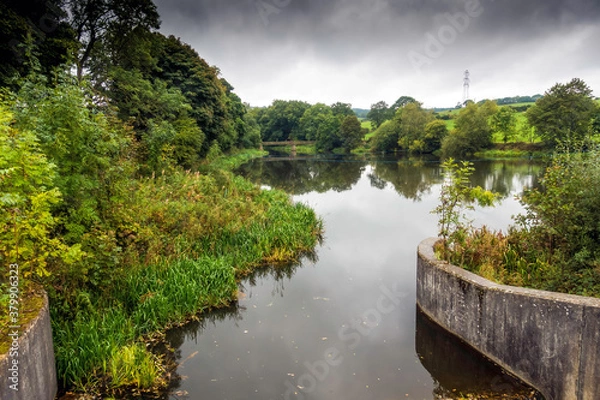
(36, 364)
(549, 340)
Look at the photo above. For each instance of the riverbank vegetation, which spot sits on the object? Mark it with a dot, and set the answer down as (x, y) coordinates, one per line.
(116, 195)
(554, 245)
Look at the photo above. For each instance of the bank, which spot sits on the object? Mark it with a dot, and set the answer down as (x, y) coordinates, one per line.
(549, 340)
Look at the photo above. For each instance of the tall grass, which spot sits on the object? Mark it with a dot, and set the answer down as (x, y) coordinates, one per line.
(187, 239)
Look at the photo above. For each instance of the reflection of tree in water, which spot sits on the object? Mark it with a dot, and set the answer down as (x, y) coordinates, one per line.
(411, 178)
(175, 337)
(508, 176)
(299, 176)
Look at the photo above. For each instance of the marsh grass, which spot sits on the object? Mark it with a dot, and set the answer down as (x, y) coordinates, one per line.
(187, 238)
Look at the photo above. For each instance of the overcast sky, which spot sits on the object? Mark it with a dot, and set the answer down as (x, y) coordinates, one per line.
(361, 52)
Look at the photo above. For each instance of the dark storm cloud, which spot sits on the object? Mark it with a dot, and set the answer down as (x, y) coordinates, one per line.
(296, 47)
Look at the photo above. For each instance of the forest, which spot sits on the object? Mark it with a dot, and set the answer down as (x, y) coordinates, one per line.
(116, 196)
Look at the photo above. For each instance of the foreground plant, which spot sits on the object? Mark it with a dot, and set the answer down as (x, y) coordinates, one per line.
(456, 197)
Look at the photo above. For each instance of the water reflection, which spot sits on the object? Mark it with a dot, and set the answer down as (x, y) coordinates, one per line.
(459, 371)
(277, 341)
(410, 177)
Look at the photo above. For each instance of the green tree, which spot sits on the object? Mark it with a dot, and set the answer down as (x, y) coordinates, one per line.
(33, 28)
(472, 131)
(435, 132)
(104, 24)
(350, 133)
(342, 109)
(281, 121)
(401, 102)
(564, 113)
(28, 195)
(328, 137)
(385, 138)
(456, 197)
(504, 122)
(378, 114)
(413, 119)
(312, 119)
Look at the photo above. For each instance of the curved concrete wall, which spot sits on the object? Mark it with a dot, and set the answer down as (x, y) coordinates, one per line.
(36, 371)
(549, 340)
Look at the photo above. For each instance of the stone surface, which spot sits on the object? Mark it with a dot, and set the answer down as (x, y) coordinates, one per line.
(36, 364)
(550, 340)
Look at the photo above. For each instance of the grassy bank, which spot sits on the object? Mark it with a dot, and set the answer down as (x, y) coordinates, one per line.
(191, 237)
(514, 150)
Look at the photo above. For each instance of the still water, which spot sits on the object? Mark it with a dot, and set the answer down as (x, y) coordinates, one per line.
(344, 324)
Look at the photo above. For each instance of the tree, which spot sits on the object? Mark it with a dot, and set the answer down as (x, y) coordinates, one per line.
(504, 122)
(378, 114)
(412, 119)
(343, 109)
(312, 119)
(401, 102)
(350, 133)
(456, 197)
(435, 132)
(385, 138)
(564, 113)
(472, 131)
(106, 23)
(327, 133)
(28, 197)
(33, 29)
(281, 121)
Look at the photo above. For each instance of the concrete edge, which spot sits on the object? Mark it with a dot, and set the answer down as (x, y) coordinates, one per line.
(557, 368)
(426, 251)
(36, 360)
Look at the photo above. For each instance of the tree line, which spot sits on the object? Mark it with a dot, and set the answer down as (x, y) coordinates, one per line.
(567, 113)
(330, 127)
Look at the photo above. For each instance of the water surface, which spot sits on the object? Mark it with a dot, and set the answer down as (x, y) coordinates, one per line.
(344, 325)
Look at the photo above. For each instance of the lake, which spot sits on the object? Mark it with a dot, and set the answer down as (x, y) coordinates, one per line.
(343, 323)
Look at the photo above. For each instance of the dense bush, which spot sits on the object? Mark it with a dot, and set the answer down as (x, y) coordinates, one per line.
(555, 244)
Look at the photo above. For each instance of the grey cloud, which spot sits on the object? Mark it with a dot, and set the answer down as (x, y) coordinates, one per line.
(365, 43)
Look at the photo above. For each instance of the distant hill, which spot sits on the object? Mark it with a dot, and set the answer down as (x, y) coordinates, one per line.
(360, 112)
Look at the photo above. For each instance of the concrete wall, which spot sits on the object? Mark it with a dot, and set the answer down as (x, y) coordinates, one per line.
(549, 340)
(36, 365)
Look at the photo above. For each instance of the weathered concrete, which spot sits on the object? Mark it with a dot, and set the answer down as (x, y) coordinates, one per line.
(36, 365)
(549, 340)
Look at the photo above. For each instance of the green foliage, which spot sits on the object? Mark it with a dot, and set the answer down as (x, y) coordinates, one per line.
(328, 137)
(385, 138)
(312, 119)
(350, 133)
(23, 44)
(457, 196)
(472, 131)
(189, 237)
(28, 195)
(562, 218)
(556, 242)
(342, 109)
(435, 132)
(564, 114)
(379, 113)
(412, 121)
(102, 27)
(88, 147)
(281, 121)
(133, 365)
(505, 123)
